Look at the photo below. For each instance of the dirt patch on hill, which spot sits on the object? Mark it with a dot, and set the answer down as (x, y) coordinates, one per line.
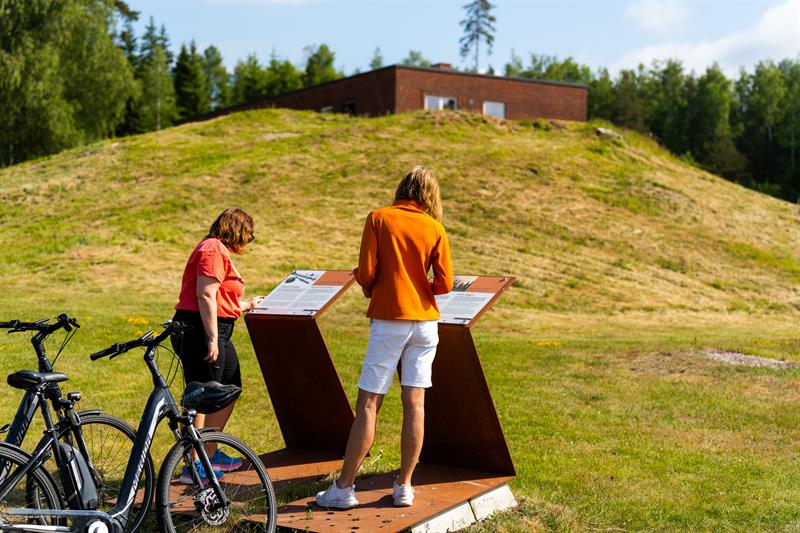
(740, 359)
(699, 361)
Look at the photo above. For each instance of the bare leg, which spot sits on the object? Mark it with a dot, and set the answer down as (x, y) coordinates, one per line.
(362, 434)
(413, 432)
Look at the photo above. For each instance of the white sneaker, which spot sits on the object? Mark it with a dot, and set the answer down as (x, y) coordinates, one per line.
(339, 498)
(403, 495)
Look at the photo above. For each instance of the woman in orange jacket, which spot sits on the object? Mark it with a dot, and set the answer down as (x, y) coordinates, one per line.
(400, 245)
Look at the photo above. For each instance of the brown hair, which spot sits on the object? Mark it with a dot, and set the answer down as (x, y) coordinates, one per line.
(420, 185)
(233, 227)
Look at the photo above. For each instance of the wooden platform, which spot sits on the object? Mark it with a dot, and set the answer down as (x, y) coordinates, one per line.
(437, 490)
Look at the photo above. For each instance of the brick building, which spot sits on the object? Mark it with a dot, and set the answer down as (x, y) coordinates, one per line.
(400, 88)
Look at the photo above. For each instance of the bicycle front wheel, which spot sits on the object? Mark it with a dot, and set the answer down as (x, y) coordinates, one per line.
(109, 443)
(185, 505)
(34, 490)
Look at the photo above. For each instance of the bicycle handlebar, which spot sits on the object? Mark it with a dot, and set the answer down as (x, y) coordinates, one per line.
(146, 340)
(42, 326)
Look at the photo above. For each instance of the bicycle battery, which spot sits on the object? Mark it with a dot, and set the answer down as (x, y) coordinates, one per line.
(79, 488)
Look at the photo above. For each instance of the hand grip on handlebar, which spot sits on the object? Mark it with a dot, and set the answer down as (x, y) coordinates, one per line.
(103, 353)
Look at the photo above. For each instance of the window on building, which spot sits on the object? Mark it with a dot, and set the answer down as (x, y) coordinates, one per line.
(495, 109)
(326, 109)
(437, 103)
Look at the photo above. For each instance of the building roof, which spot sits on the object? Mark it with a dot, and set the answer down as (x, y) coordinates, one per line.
(476, 75)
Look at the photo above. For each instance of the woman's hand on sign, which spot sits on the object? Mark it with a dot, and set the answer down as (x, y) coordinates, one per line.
(252, 303)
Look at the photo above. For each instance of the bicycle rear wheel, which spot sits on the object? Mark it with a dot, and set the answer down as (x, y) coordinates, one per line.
(34, 490)
(183, 505)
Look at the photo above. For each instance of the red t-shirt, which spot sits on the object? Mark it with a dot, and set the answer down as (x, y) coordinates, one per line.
(212, 258)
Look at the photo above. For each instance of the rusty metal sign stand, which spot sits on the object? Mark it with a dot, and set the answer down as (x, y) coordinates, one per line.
(310, 404)
(465, 464)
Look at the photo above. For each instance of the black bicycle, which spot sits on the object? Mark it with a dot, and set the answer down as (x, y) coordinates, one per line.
(192, 494)
(90, 443)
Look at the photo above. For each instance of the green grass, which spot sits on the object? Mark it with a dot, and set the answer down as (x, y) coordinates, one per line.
(629, 263)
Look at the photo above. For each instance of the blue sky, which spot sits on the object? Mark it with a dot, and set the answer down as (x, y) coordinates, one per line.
(616, 34)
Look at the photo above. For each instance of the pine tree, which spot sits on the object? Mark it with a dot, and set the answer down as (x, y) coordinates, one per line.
(377, 60)
(249, 81)
(190, 83)
(149, 41)
(217, 82)
(128, 44)
(478, 26)
(163, 40)
(319, 66)
(281, 77)
(157, 103)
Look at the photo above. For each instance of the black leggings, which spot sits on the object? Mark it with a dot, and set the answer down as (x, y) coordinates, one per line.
(192, 348)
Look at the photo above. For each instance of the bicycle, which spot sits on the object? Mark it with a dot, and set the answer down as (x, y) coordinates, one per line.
(186, 498)
(87, 442)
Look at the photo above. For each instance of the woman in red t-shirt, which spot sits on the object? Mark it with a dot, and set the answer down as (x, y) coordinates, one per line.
(209, 304)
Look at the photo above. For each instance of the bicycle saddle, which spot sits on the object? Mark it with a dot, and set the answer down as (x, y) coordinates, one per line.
(28, 379)
(209, 397)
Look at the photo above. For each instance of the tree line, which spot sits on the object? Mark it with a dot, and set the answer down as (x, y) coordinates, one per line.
(74, 71)
(746, 129)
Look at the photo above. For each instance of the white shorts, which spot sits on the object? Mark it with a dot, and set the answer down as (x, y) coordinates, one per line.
(410, 342)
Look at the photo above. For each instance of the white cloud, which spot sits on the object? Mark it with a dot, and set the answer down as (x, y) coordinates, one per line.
(775, 36)
(661, 16)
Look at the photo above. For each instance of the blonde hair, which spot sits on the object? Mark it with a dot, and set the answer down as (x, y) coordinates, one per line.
(420, 185)
(233, 227)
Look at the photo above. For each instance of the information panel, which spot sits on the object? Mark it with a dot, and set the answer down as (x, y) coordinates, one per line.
(304, 292)
(470, 297)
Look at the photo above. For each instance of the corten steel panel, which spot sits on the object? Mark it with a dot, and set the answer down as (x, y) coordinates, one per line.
(306, 393)
(436, 489)
(461, 425)
(523, 99)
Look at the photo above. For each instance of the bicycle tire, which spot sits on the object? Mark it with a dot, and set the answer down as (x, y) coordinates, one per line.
(36, 490)
(109, 443)
(176, 500)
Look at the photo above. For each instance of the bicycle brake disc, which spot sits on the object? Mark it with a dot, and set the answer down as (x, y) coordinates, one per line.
(208, 500)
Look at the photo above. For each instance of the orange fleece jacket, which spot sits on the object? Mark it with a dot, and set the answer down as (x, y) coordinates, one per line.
(399, 246)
